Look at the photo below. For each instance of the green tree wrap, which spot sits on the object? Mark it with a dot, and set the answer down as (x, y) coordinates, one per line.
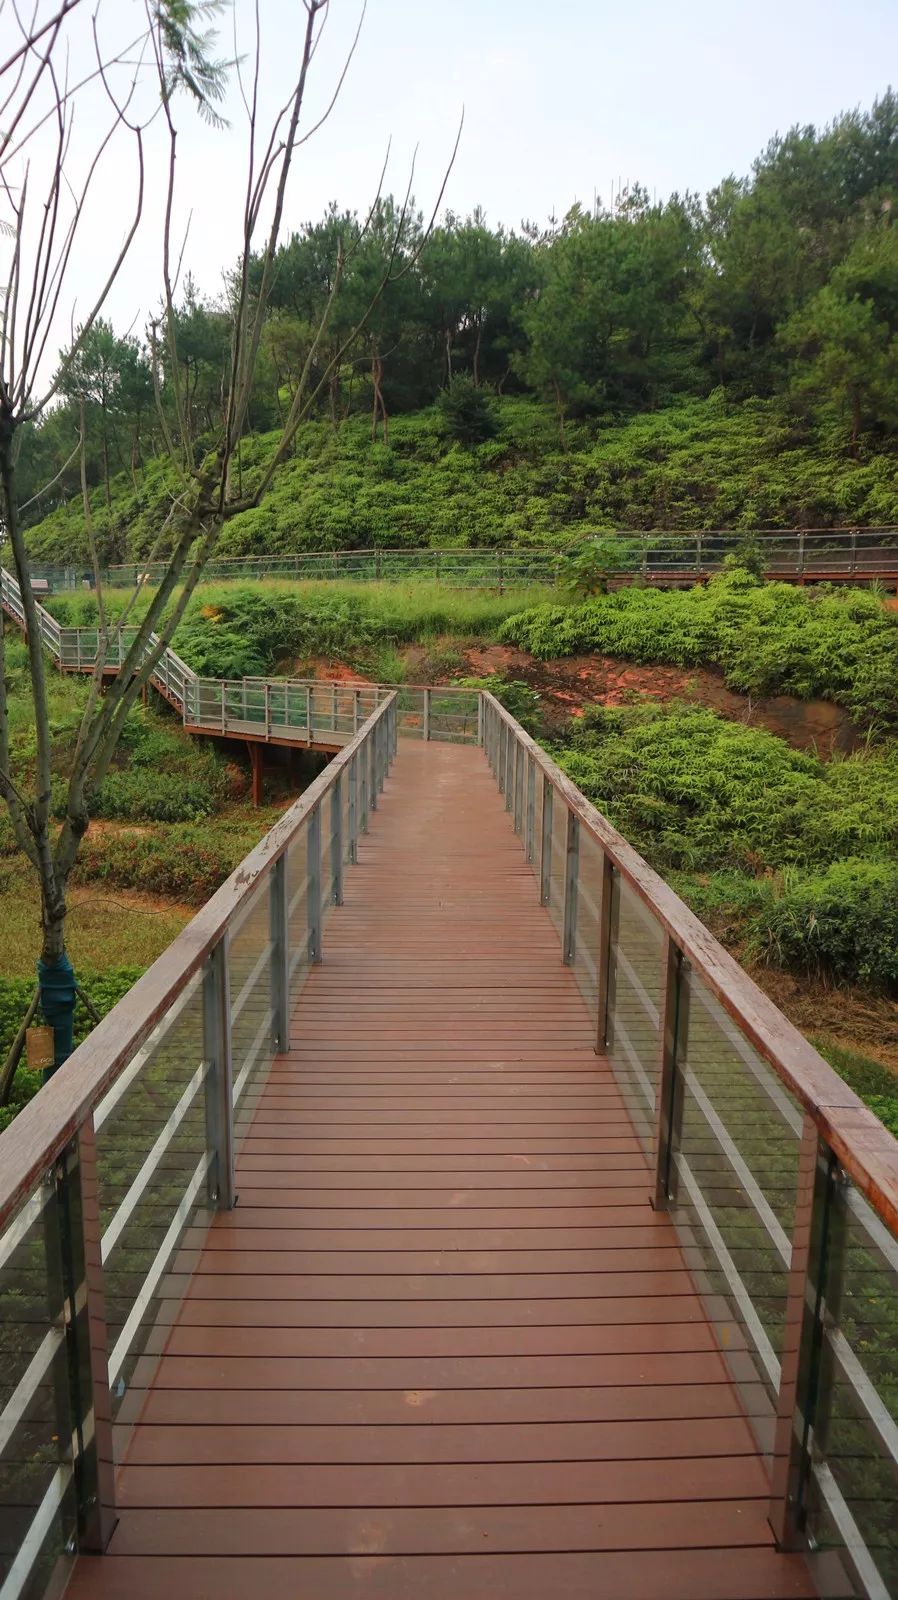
(57, 986)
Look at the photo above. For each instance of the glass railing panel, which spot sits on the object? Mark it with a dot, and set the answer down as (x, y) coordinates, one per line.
(590, 871)
(38, 1513)
(853, 1500)
(537, 821)
(152, 1166)
(250, 971)
(634, 1002)
(735, 1174)
(559, 858)
(453, 717)
(298, 910)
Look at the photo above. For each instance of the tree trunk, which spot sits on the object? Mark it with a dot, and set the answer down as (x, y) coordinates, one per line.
(447, 340)
(476, 362)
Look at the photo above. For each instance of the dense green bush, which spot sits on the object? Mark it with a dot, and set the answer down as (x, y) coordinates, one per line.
(186, 863)
(695, 792)
(466, 412)
(841, 923)
(768, 638)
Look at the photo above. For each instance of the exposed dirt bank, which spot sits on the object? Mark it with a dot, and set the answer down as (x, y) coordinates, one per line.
(567, 686)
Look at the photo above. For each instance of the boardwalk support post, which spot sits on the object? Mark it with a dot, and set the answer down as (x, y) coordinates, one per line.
(219, 1076)
(672, 1028)
(571, 874)
(545, 849)
(337, 841)
(314, 890)
(811, 1302)
(279, 931)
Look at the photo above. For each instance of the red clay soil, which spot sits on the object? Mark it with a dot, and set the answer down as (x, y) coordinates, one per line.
(568, 686)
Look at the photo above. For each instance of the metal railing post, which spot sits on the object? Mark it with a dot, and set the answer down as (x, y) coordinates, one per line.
(355, 710)
(353, 811)
(219, 1076)
(310, 710)
(279, 932)
(811, 1301)
(545, 846)
(571, 875)
(73, 1225)
(511, 757)
(530, 834)
(604, 953)
(313, 847)
(337, 840)
(500, 755)
(672, 1026)
(480, 718)
(426, 714)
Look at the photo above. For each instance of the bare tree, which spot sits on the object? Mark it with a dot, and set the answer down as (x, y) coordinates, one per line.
(181, 59)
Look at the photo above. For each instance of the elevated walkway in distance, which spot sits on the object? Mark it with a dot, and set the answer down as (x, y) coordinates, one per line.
(443, 1347)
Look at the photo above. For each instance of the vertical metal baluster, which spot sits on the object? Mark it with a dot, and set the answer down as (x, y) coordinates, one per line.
(219, 1076)
(279, 933)
(355, 710)
(545, 849)
(480, 719)
(812, 1298)
(426, 714)
(511, 761)
(530, 836)
(571, 877)
(314, 895)
(672, 1031)
(500, 755)
(337, 840)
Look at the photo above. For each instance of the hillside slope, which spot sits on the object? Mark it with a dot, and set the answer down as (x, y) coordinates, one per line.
(699, 463)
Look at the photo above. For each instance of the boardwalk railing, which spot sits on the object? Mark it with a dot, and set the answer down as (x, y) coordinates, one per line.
(783, 1186)
(279, 710)
(840, 553)
(107, 1169)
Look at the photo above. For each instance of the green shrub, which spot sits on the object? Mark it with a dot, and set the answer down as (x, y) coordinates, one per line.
(768, 639)
(104, 989)
(466, 412)
(185, 863)
(840, 924)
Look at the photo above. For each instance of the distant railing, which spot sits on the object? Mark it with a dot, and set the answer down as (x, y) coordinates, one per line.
(280, 710)
(658, 556)
(109, 1175)
(783, 1186)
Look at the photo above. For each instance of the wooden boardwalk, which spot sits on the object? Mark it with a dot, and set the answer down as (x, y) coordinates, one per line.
(443, 1349)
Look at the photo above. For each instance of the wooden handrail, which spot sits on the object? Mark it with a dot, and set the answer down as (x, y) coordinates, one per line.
(863, 1146)
(47, 1123)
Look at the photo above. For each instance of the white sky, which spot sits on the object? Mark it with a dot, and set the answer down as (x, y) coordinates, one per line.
(561, 100)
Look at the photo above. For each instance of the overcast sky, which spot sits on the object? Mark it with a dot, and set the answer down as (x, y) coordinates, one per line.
(562, 99)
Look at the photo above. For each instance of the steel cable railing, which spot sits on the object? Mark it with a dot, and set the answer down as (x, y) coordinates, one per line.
(782, 1186)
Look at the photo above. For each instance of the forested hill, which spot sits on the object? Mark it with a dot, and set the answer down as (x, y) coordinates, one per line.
(686, 363)
(697, 463)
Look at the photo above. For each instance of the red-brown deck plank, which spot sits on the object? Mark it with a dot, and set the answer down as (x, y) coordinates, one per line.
(443, 1346)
